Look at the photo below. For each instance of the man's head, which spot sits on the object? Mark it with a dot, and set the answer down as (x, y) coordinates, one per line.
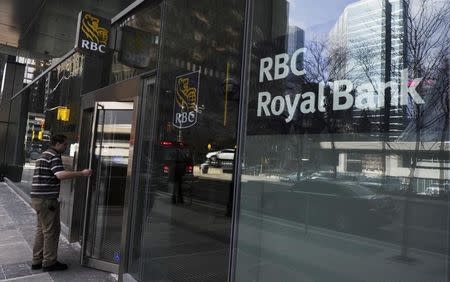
(59, 142)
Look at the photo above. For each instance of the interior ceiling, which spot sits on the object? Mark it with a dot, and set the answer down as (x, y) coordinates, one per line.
(46, 28)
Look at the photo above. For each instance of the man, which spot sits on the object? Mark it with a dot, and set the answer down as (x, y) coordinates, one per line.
(44, 194)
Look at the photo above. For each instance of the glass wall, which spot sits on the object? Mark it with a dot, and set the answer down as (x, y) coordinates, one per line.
(187, 145)
(137, 39)
(346, 143)
(52, 107)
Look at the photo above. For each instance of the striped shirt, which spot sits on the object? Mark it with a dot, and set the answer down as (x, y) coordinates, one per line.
(45, 183)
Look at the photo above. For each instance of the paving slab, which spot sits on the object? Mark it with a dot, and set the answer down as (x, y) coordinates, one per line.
(8, 237)
(5, 220)
(3, 211)
(17, 227)
(14, 253)
(42, 277)
(14, 270)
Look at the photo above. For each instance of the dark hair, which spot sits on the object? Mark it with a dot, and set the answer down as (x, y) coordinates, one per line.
(58, 138)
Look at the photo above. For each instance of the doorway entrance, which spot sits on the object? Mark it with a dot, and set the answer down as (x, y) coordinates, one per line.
(109, 156)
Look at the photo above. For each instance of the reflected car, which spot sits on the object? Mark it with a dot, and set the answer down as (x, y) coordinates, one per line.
(344, 206)
(221, 159)
(171, 155)
(437, 190)
(292, 177)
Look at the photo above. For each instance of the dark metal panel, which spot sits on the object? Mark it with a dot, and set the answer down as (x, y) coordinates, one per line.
(123, 91)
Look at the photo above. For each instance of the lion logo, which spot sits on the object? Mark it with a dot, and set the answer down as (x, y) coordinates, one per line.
(93, 32)
(186, 96)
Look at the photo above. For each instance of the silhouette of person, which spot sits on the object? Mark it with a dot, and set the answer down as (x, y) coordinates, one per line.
(178, 170)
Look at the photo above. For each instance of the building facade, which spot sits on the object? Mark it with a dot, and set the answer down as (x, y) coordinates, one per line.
(252, 140)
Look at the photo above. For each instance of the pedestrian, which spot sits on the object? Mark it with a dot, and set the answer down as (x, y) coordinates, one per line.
(48, 173)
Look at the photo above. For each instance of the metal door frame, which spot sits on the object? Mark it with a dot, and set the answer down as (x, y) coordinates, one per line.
(85, 260)
(149, 78)
(126, 91)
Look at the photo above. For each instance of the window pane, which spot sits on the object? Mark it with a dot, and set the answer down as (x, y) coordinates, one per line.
(189, 122)
(346, 156)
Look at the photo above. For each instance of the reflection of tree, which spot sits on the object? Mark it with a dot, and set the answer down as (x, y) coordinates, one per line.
(427, 37)
(325, 62)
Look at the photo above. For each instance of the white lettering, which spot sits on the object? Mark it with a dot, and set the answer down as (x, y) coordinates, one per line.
(85, 44)
(101, 48)
(345, 93)
(291, 106)
(308, 105)
(265, 66)
(321, 101)
(262, 105)
(411, 90)
(277, 105)
(281, 61)
(394, 93)
(282, 66)
(178, 118)
(94, 46)
(191, 117)
(294, 62)
(365, 97)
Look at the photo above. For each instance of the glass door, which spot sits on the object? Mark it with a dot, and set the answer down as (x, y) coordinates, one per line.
(109, 158)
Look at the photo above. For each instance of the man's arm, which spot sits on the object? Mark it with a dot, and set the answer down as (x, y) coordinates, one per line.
(62, 175)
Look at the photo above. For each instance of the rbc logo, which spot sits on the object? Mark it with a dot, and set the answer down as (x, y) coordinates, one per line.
(93, 33)
(182, 118)
(185, 108)
(86, 44)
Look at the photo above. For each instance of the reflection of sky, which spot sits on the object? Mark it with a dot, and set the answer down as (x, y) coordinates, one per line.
(316, 16)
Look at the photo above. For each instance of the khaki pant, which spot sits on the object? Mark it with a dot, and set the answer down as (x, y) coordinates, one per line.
(47, 231)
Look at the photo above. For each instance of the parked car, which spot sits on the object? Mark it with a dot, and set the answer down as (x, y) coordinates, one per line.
(344, 206)
(292, 177)
(221, 159)
(437, 190)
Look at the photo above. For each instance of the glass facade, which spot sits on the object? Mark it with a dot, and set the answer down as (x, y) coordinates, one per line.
(345, 151)
(53, 108)
(185, 222)
(136, 44)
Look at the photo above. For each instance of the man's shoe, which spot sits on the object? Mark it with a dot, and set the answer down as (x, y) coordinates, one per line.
(36, 266)
(55, 267)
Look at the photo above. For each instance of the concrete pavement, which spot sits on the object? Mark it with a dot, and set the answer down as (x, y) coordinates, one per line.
(17, 227)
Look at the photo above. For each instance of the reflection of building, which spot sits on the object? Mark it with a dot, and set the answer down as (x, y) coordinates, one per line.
(398, 161)
(295, 40)
(371, 35)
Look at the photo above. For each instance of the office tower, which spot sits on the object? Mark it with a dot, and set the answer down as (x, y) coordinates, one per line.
(371, 36)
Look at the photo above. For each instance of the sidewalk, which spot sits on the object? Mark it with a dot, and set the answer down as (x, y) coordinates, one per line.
(17, 227)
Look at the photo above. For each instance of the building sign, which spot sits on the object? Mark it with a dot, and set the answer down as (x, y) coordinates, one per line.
(369, 96)
(186, 100)
(92, 33)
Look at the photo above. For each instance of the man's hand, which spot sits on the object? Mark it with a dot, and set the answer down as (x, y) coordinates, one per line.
(86, 172)
(63, 175)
